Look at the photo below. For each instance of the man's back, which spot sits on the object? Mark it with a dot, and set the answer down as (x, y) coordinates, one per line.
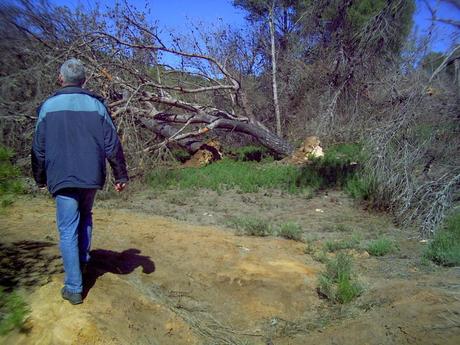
(74, 136)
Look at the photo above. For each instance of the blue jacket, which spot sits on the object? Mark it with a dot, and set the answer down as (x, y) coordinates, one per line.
(74, 135)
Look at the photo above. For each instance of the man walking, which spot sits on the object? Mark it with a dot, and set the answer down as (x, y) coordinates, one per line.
(74, 135)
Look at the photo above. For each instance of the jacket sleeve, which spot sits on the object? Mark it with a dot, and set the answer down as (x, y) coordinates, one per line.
(114, 151)
(38, 151)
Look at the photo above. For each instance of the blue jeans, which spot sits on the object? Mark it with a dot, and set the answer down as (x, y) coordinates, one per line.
(75, 226)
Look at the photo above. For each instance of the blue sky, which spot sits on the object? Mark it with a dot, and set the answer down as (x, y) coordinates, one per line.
(177, 14)
(443, 35)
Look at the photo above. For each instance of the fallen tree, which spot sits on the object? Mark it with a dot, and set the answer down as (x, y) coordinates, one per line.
(177, 104)
(346, 97)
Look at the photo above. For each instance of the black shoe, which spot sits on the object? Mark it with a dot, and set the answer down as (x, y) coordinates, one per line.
(72, 297)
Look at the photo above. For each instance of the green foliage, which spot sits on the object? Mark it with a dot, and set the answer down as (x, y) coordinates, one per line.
(361, 187)
(10, 185)
(344, 154)
(259, 9)
(13, 311)
(291, 231)
(180, 155)
(338, 283)
(251, 226)
(338, 165)
(444, 249)
(247, 177)
(5, 154)
(381, 246)
(309, 177)
(360, 12)
(351, 243)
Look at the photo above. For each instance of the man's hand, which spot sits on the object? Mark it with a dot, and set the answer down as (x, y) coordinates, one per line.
(120, 186)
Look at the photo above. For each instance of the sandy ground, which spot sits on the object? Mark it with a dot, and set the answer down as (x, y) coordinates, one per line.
(160, 280)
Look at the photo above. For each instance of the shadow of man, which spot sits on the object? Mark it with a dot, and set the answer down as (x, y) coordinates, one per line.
(103, 261)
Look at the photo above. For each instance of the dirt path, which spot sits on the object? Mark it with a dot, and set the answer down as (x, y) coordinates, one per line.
(160, 281)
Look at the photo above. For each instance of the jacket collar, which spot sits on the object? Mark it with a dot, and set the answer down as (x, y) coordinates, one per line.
(70, 89)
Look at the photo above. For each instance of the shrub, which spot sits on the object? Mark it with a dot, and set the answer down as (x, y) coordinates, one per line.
(352, 243)
(338, 165)
(251, 226)
(361, 187)
(444, 249)
(180, 155)
(381, 247)
(10, 185)
(309, 177)
(291, 231)
(338, 283)
(13, 311)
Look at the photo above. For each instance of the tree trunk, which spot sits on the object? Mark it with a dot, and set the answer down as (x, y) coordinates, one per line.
(162, 126)
(271, 23)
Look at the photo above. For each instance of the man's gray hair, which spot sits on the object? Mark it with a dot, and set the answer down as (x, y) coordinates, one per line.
(73, 72)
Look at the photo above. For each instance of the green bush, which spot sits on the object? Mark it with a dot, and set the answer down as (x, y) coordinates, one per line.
(381, 247)
(338, 283)
(13, 311)
(251, 226)
(360, 187)
(339, 164)
(444, 249)
(180, 155)
(309, 177)
(10, 185)
(290, 231)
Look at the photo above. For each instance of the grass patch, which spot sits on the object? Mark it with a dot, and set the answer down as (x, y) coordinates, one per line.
(247, 177)
(250, 153)
(10, 185)
(343, 154)
(444, 249)
(13, 311)
(381, 246)
(338, 165)
(260, 227)
(290, 231)
(351, 243)
(342, 228)
(338, 283)
(251, 226)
